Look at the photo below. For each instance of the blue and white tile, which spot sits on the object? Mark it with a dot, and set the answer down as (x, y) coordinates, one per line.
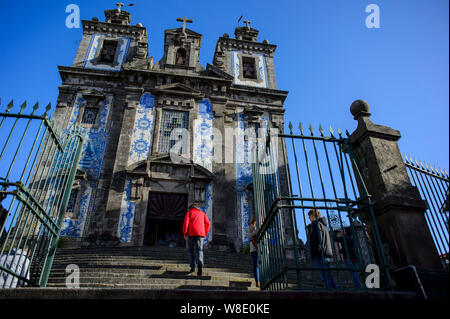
(74, 227)
(141, 139)
(127, 213)
(260, 64)
(94, 46)
(203, 135)
(91, 161)
(207, 208)
(140, 145)
(243, 178)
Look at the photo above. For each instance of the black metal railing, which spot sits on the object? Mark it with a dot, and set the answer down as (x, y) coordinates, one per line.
(329, 188)
(433, 185)
(37, 170)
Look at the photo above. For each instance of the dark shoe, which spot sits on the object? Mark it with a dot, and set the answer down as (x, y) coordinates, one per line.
(199, 271)
(191, 270)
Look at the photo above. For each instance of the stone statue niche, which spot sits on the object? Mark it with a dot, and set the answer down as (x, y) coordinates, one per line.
(180, 57)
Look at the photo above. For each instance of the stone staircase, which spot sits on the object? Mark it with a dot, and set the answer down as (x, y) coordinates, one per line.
(152, 268)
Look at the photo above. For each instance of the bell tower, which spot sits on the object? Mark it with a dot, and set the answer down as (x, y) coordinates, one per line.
(108, 45)
(249, 62)
(182, 49)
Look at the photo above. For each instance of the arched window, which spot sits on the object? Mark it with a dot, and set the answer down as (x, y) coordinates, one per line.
(180, 58)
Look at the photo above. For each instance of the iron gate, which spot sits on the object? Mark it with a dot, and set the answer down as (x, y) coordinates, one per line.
(287, 254)
(433, 185)
(37, 170)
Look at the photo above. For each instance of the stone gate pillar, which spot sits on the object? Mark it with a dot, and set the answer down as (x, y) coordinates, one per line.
(399, 209)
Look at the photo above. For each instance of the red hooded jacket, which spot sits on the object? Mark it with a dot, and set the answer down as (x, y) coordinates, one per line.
(196, 223)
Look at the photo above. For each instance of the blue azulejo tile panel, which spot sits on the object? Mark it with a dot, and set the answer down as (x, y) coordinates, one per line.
(243, 179)
(243, 203)
(140, 146)
(260, 66)
(269, 164)
(91, 162)
(203, 135)
(141, 139)
(126, 215)
(207, 208)
(244, 173)
(74, 227)
(203, 151)
(94, 46)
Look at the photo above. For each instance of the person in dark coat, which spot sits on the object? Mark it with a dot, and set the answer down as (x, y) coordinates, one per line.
(196, 227)
(320, 245)
(348, 253)
(252, 231)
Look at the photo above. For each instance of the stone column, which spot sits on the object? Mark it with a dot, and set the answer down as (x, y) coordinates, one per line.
(116, 160)
(222, 202)
(399, 209)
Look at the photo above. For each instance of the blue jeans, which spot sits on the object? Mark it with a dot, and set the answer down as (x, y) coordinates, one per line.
(349, 264)
(255, 265)
(195, 245)
(325, 274)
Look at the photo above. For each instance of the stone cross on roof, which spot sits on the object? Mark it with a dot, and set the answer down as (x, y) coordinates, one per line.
(247, 22)
(184, 20)
(119, 5)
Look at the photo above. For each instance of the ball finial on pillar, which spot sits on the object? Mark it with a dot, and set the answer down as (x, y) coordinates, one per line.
(359, 107)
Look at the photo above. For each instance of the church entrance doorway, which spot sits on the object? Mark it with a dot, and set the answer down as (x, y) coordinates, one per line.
(165, 215)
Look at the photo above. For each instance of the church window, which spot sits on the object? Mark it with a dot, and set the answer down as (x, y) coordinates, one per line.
(89, 115)
(248, 68)
(171, 120)
(180, 57)
(72, 201)
(108, 52)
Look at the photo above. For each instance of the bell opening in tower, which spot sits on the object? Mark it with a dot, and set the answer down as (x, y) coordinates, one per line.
(248, 68)
(108, 52)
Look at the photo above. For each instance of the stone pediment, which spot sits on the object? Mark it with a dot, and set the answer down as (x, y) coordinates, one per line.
(189, 32)
(211, 70)
(92, 94)
(178, 89)
(253, 113)
(162, 167)
(253, 110)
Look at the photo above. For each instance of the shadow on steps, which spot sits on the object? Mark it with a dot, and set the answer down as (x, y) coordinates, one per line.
(180, 275)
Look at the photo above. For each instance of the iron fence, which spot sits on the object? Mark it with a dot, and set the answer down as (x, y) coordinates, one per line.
(37, 170)
(330, 249)
(433, 185)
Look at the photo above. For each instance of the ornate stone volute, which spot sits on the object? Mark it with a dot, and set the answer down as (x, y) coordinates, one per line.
(142, 50)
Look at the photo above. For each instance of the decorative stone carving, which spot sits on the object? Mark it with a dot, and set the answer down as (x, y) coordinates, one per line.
(142, 50)
(118, 16)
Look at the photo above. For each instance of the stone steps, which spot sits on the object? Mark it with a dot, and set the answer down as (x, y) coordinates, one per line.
(99, 272)
(152, 268)
(145, 262)
(167, 268)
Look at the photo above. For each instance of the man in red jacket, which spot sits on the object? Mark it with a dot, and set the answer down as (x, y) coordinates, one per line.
(195, 228)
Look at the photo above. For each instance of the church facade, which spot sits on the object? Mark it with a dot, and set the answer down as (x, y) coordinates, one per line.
(131, 187)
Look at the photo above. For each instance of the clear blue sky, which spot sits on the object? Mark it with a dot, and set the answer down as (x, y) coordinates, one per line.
(326, 57)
